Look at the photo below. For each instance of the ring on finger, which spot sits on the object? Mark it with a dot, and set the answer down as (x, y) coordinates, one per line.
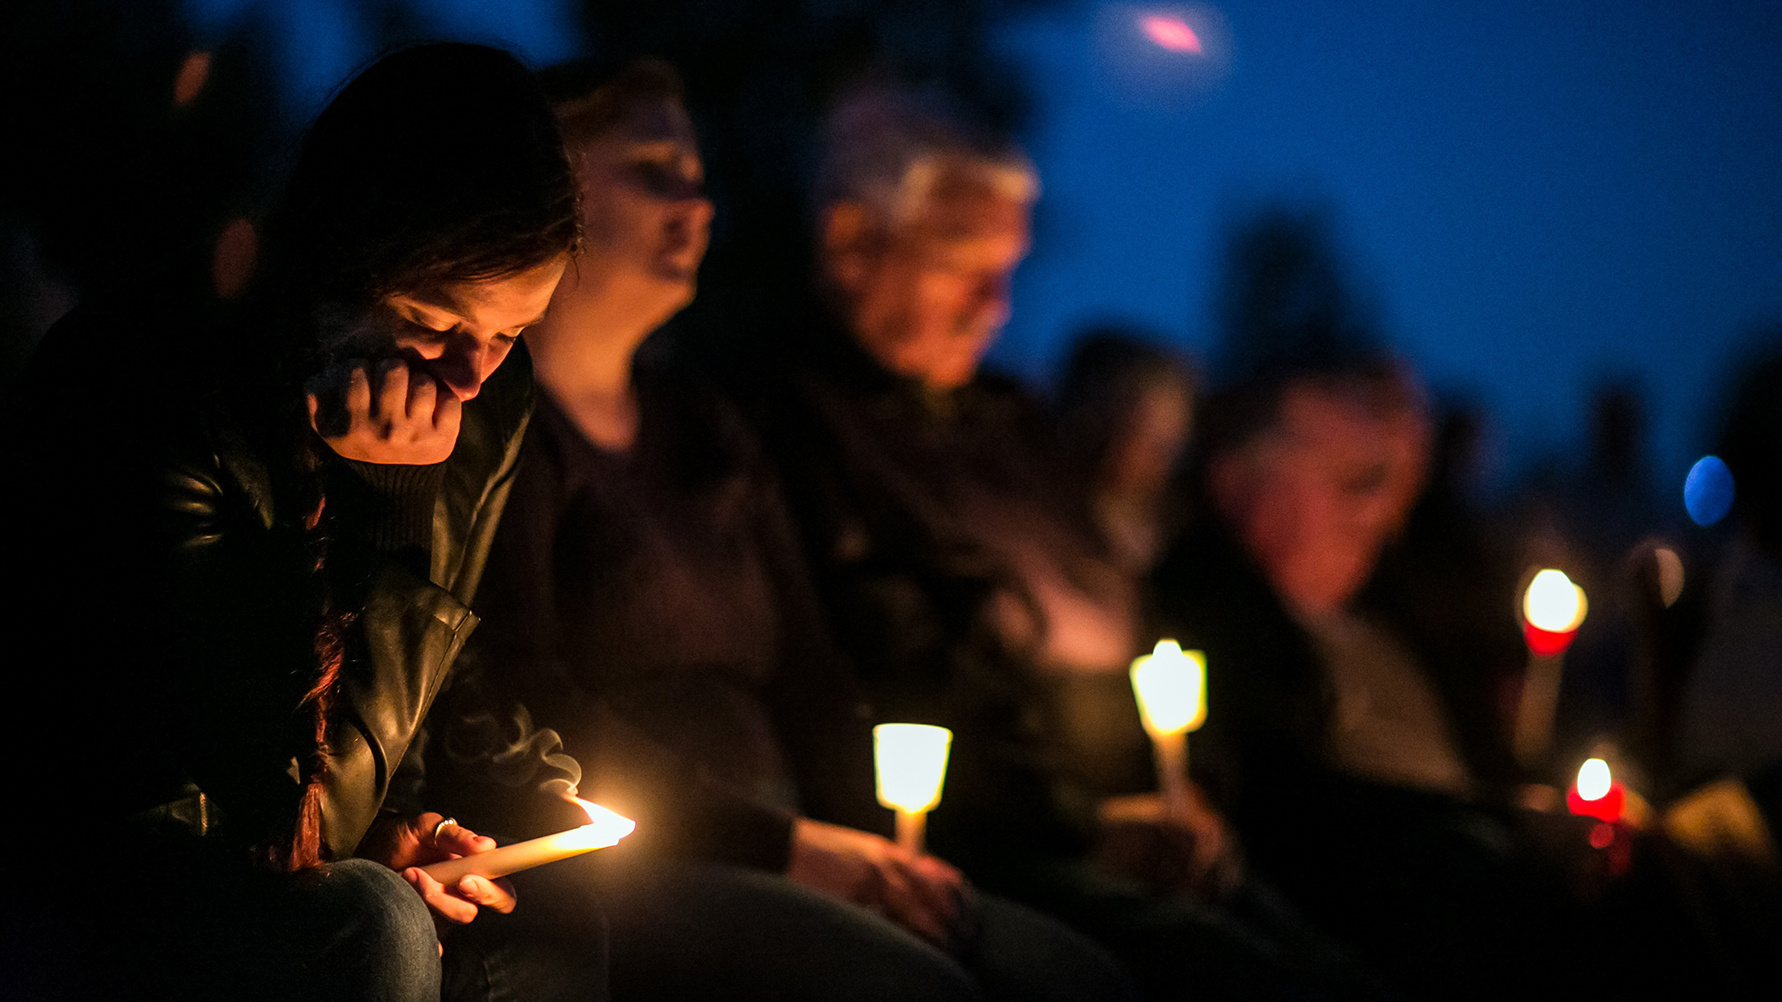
(443, 822)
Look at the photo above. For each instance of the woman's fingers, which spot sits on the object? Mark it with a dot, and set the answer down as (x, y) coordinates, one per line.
(423, 394)
(443, 902)
(448, 413)
(910, 904)
(392, 391)
(456, 840)
(389, 412)
(496, 894)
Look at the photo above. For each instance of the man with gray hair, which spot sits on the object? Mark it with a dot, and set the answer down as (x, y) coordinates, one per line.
(924, 217)
(959, 569)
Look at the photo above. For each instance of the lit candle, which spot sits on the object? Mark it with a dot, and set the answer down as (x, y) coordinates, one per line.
(1552, 610)
(911, 761)
(1595, 794)
(604, 829)
(1171, 686)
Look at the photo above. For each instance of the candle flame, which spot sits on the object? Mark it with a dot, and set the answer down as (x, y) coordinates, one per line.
(1171, 686)
(608, 826)
(1593, 779)
(1553, 603)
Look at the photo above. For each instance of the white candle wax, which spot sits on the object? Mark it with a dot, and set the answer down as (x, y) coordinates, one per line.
(603, 832)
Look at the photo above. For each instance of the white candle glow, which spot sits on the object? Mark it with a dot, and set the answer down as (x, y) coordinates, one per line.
(1171, 687)
(604, 829)
(1553, 603)
(1594, 779)
(911, 762)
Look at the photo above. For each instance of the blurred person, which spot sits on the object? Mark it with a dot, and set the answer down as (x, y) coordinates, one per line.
(250, 537)
(1732, 696)
(962, 573)
(646, 603)
(1126, 410)
(1352, 732)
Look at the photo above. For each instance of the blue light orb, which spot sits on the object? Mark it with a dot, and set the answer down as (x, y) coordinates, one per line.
(1708, 491)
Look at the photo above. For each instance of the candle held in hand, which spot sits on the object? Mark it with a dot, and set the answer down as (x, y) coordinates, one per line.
(603, 830)
(911, 761)
(1171, 687)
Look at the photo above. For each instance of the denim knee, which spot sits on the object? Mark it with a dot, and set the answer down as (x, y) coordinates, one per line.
(383, 947)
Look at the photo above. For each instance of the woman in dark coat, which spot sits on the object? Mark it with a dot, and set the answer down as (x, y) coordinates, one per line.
(252, 535)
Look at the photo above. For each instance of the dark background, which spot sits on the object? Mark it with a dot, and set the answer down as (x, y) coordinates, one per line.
(1530, 200)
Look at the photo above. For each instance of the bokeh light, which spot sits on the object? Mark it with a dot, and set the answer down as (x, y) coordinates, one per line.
(1552, 603)
(1593, 779)
(1708, 491)
(189, 82)
(1670, 575)
(1161, 56)
(911, 760)
(1171, 33)
(1170, 684)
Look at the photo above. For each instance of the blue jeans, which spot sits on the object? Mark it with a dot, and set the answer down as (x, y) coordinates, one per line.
(174, 918)
(685, 930)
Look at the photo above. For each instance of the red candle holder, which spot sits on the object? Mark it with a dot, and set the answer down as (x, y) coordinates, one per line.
(1546, 643)
(1608, 807)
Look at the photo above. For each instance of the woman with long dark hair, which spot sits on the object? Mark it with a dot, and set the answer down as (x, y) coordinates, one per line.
(252, 535)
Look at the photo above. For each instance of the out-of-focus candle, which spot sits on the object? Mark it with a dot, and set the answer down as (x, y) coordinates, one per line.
(604, 829)
(1552, 610)
(911, 762)
(1171, 687)
(1595, 794)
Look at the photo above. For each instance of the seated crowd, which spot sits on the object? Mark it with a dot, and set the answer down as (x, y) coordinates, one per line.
(417, 540)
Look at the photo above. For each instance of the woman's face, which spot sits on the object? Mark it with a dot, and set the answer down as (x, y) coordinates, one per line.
(645, 219)
(457, 332)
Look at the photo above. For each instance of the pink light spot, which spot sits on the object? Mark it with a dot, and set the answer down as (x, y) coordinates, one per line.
(1171, 33)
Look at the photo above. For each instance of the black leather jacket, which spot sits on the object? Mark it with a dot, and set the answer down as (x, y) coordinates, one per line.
(167, 564)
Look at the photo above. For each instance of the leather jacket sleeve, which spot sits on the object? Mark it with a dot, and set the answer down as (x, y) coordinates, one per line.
(410, 629)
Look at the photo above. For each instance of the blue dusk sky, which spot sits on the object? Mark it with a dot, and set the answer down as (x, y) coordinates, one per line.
(1535, 197)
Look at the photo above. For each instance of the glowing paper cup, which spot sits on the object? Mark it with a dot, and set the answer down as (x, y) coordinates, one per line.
(911, 761)
(1171, 687)
(603, 830)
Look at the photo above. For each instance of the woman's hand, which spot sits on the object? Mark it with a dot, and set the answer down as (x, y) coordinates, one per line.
(387, 412)
(407, 844)
(1195, 852)
(920, 893)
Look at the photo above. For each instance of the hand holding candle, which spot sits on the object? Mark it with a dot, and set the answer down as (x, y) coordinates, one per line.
(604, 829)
(1170, 684)
(911, 761)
